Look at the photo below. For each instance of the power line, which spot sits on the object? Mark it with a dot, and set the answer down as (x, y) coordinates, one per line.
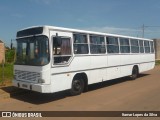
(147, 26)
(151, 26)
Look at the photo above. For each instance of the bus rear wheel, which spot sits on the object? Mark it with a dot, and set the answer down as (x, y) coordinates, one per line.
(77, 87)
(135, 73)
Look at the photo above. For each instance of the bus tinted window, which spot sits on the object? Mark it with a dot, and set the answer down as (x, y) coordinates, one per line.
(141, 45)
(147, 46)
(134, 46)
(80, 44)
(112, 45)
(97, 45)
(152, 46)
(30, 31)
(124, 45)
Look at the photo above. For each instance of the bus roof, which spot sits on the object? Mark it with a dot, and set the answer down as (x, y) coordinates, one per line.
(47, 27)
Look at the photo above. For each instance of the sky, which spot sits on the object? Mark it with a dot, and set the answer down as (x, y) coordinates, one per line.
(125, 17)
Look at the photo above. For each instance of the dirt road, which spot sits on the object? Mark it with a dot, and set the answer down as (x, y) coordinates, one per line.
(122, 94)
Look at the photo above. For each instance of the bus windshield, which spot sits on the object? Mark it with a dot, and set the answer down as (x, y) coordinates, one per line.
(33, 51)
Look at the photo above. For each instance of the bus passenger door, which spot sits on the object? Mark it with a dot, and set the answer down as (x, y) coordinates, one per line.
(61, 60)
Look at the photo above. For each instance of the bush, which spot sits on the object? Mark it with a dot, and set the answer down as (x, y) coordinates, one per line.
(8, 72)
(157, 62)
(9, 56)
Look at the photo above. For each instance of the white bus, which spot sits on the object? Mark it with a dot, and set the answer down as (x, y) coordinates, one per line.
(51, 59)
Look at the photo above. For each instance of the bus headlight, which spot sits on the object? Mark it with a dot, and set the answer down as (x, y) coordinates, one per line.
(41, 80)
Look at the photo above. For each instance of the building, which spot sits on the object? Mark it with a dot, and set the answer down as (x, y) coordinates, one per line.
(2, 51)
(157, 48)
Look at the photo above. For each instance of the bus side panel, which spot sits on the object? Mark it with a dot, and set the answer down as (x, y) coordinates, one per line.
(147, 62)
(128, 62)
(81, 64)
(61, 82)
(98, 69)
(113, 67)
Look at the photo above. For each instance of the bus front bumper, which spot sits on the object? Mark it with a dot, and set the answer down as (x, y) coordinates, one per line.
(42, 88)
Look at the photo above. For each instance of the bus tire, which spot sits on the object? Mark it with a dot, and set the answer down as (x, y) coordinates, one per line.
(135, 73)
(77, 87)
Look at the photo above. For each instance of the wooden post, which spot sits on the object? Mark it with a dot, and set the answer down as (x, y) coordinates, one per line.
(2, 71)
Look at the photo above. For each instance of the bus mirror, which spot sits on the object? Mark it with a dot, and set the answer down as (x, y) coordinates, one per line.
(57, 41)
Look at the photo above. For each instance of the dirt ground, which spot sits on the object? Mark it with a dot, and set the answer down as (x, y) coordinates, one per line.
(122, 94)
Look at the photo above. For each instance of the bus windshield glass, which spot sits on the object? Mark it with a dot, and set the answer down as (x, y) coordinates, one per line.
(33, 51)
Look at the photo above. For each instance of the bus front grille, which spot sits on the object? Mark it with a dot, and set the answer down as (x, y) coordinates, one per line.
(27, 76)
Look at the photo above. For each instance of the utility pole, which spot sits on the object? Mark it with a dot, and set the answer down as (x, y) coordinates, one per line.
(143, 27)
(11, 45)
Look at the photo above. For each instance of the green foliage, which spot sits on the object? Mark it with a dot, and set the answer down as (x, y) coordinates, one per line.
(9, 56)
(8, 72)
(157, 62)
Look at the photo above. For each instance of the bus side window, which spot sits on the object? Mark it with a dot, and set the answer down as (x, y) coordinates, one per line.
(124, 45)
(152, 46)
(147, 46)
(112, 45)
(141, 45)
(97, 44)
(61, 50)
(80, 44)
(134, 46)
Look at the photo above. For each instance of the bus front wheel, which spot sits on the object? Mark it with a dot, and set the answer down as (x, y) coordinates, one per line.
(77, 87)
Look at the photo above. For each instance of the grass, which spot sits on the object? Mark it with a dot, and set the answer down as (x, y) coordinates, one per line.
(157, 62)
(8, 72)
